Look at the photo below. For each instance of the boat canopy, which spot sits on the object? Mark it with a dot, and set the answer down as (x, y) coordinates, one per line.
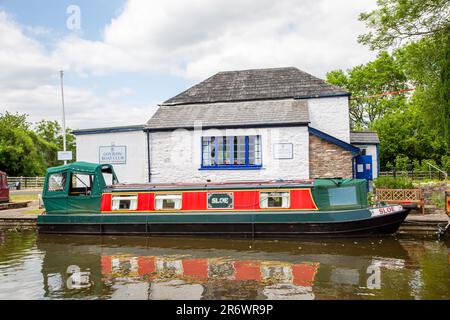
(76, 187)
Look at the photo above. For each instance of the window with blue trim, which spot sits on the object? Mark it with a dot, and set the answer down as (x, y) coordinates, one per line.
(231, 152)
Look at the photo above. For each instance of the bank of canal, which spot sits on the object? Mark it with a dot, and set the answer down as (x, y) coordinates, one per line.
(34, 266)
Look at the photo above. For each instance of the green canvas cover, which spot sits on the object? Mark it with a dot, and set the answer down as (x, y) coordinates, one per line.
(340, 194)
(59, 198)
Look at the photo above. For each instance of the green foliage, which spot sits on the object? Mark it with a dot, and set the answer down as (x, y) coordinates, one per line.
(397, 21)
(404, 133)
(423, 27)
(24, 152)
(51, 132)
(445, 163)
(393, 183)
(381, 75)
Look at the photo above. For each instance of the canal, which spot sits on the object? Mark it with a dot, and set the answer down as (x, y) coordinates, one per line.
(36, 266)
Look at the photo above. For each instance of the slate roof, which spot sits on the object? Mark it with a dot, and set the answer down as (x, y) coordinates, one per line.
(364, 137)
(256, 84)
(216, 115)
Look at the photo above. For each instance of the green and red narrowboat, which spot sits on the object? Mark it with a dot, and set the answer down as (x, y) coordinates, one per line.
(86, 198)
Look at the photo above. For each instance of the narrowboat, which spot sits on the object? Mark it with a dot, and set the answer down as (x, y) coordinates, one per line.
(4, 189)
(87, 198)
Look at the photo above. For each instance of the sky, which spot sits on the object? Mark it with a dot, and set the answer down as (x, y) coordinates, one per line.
(121, 58)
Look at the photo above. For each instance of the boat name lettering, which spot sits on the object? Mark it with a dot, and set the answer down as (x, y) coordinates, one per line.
(222, 200)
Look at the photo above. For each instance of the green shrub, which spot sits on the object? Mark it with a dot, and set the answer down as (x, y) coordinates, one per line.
(393, 183)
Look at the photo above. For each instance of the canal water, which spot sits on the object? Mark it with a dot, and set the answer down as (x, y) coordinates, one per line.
(36, 266)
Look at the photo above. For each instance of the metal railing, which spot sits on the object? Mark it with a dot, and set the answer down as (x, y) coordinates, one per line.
(26, 182)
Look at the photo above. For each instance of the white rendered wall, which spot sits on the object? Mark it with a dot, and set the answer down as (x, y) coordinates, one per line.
(176, 155)
(135, 169)
(330, 115)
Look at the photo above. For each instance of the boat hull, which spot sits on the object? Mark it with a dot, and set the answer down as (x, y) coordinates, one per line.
(253, 225)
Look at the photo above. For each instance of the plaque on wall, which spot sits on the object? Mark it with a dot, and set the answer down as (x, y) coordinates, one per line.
(283, 151)
(113, 154)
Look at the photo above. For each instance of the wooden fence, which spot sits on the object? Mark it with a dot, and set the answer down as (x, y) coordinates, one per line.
(26, 182)
(414, 175)
(401, 196)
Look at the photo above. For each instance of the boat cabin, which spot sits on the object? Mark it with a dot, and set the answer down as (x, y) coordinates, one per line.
(85, 188)
(4, 189)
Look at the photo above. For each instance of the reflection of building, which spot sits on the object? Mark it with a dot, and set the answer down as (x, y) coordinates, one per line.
(173, 277)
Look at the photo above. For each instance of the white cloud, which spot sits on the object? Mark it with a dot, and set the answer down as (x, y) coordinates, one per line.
(192, 39)
(199, 37)
(29, 84)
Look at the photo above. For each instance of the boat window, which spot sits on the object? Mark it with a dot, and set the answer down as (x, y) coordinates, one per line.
(56, 182)
(274, 199)
(342, 196)
(168, 201)
(124, 202)
(108, 176)
(81, 184)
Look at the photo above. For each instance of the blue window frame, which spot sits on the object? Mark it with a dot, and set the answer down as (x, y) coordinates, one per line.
(231, 152)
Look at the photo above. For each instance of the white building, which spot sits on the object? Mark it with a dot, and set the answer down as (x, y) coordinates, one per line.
(278, 123)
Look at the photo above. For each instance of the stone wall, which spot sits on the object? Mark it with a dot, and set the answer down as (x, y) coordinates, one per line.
(327, 160)
(434, 196)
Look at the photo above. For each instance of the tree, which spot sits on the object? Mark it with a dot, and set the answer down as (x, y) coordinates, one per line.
(21, 151)
(423, 27)
(24, 152)
(51, 132)
(397, 21)
(404, 134)
(384, 74)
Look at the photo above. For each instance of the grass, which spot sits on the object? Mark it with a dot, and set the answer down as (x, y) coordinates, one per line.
(34, 211)
(23, 197)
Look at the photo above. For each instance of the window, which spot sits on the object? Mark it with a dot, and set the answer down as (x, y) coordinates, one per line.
(274, 200)
(56, 182)
(168, 201)
(231, 152)
(124, 202)
(108, 176)
(342, 196)
(81, 184)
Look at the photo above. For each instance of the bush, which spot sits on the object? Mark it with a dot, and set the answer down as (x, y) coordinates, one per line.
(393, 183)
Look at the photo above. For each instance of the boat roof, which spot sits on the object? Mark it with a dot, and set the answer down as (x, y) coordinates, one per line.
(121, 187)
(79, 166)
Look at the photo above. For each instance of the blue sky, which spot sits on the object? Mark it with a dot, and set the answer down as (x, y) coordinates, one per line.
(130, 55)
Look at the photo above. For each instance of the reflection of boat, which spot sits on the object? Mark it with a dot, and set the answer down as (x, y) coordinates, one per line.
(78, 200)
(301, 274)
(167, 273)
(163, 268)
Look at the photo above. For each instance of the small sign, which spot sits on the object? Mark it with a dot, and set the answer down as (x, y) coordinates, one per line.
(113, 154)
(223, 200)
(65, 155)
(283, 151)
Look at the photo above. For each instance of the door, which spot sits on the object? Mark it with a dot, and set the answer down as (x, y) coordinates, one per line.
(83, 195)
(363, 167)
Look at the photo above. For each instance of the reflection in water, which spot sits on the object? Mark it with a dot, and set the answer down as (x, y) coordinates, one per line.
(181, 277)
(91, 267)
